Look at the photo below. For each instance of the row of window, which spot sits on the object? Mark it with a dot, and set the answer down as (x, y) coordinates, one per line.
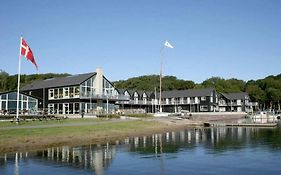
(231, 102)
(9, 102)
(62, 93)
(63, 108)
(77, 108)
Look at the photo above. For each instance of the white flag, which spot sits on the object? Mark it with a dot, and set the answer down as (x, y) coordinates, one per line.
(167, 44)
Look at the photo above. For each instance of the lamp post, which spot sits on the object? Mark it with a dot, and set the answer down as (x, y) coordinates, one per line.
(106, 106)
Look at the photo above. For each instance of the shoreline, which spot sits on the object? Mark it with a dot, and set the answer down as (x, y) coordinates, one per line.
(35, 138)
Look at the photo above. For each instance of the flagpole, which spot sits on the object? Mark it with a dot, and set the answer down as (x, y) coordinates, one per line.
(160, 86)
(18, 89)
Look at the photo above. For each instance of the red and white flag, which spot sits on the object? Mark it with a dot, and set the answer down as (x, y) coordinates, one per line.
(26, 52)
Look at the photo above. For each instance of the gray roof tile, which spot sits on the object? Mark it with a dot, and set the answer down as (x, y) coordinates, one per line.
(187, 93)
(59, 82)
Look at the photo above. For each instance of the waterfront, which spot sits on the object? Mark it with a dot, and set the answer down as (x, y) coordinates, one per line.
(220, 150)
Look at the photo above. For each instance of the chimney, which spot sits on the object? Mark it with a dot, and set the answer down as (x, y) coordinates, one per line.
(99, 81)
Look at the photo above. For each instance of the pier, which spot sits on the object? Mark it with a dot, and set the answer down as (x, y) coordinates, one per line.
(217, 124)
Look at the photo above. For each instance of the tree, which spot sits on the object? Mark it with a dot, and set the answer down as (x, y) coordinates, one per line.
(256, 94)
(273, 96)
(3, 80)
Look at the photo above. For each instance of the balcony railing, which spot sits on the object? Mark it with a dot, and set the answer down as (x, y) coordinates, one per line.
(104, 97)
(181, 102)
(139, 102)
(234, 104)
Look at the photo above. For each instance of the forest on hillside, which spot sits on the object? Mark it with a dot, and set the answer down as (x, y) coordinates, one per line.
(266, 91)
(9, 82)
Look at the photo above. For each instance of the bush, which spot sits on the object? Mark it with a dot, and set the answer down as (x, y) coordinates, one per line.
(108, 116)
(140, 115)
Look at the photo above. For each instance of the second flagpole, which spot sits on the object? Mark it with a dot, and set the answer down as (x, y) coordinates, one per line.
(18, 89)
(160, 85)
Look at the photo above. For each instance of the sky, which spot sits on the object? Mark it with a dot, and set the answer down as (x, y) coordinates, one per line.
(224, 38)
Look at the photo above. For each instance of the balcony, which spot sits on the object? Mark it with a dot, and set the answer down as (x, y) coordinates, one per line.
(223, 104)
(234, 104)
(132, 102)
(105, 97)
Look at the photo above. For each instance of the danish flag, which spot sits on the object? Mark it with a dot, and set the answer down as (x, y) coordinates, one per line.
(26, 52)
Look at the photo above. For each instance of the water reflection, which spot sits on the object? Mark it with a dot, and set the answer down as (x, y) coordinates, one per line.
(93, 157)
(98, 158)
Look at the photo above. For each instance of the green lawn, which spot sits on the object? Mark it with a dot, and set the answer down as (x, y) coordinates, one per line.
(48, 122)
(17, 138)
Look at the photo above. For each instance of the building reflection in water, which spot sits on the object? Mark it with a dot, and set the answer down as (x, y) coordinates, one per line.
(99, 157)
(94, 157)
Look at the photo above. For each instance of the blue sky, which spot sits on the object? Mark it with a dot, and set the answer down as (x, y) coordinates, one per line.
(225, 38)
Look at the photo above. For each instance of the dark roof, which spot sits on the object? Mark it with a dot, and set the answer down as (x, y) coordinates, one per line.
(142, 92)
(59, 82)
(187, 93)
(131, 92)
(121, 91)
(235, 96)
(173, 93)
(150, 93)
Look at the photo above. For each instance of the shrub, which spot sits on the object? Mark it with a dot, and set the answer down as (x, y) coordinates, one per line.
(108, 116)
(140, 115)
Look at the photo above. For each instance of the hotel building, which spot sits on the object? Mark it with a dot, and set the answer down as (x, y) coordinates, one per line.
(93, 94)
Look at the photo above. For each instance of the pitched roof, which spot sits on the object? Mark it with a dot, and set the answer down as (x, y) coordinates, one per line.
(121, 91)
(235, 96)
(150, 94)
(131, 92)
(58, 82)
(187, 93)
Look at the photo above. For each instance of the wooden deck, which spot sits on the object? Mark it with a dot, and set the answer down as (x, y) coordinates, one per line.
(218, 124)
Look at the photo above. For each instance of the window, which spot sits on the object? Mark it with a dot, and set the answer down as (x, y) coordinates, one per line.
(70, 108)
(56, 110)
(172, 100)
(108, 89)
(60, 108)
(65, 108)
(136, 98)
(203, 108)
(51, 93)
(66, 92)
(203, 98)
(60, 92)
(238, 102)
(181, 100)
(56, 94)
(3, 97)
(77, 91)
(127, 94)
(76, 108)
(4, 105)
(51, 109)
(71, 92)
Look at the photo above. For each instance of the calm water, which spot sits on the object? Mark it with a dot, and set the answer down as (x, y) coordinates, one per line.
(191, 151)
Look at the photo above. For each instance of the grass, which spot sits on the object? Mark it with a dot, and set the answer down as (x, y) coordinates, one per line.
(48, 122)
(140, 115)
(17, 138)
